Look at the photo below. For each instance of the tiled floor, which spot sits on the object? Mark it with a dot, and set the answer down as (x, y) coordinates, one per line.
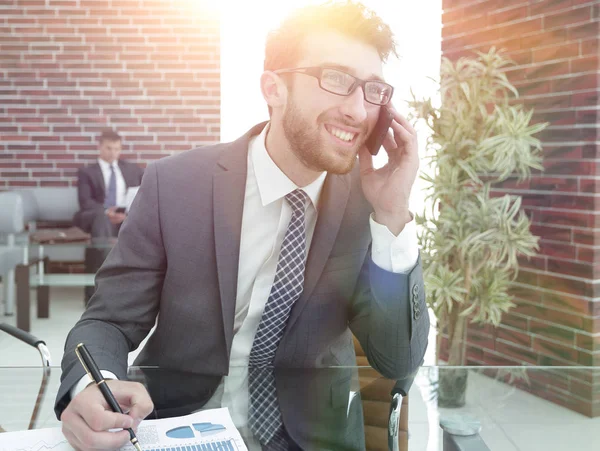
(512, 420)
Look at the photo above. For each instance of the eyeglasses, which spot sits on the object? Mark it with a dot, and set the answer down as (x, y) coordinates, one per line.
(337, 82)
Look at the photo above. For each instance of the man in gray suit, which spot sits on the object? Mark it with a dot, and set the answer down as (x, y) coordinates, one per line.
(267, 252)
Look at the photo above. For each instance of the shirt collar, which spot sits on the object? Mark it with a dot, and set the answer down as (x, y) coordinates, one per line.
(272, 183)
(106, 165)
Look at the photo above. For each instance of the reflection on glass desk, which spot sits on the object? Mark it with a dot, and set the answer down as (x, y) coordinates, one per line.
(321, 408)
(32, 273)
(345, 407)
(40, 253)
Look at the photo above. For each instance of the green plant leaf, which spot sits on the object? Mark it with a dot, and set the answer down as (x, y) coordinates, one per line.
(471, 238)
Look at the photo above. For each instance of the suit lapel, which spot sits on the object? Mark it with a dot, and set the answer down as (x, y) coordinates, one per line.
(99, 179)
(229, 187)
(124, 172)
(331, 211)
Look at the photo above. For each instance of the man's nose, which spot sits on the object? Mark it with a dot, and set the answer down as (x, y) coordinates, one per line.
(353, 106)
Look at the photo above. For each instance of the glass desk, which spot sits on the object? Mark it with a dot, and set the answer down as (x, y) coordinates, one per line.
(321, 408)
(349, 407)
(32, 273)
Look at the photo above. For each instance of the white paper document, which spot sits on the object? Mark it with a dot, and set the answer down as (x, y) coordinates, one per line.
(208, 430)
(129, 196)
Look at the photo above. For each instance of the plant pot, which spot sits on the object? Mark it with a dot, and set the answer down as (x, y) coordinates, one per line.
(452, 388)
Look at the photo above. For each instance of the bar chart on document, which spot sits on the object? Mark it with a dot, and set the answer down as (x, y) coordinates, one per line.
(208, 430)
(229, 445)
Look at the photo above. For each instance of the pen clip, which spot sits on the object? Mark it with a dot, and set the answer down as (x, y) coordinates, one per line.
(85, 367)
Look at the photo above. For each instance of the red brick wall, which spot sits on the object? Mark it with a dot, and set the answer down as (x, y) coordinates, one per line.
(557, 318)
(68, 68)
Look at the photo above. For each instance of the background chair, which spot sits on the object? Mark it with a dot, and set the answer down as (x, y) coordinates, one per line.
(11, 222)
(22, 212)
(376, 393)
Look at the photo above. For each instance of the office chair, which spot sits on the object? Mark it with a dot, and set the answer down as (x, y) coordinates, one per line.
(381, 396)
(40, 345)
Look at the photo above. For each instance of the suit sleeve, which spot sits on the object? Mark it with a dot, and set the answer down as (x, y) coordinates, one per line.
(85, 192)
(125, 305)
(390, 319)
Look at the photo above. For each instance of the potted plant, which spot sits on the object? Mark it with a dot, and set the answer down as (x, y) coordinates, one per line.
(471, 239)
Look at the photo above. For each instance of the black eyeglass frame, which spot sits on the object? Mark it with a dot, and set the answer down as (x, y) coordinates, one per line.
(317, 71)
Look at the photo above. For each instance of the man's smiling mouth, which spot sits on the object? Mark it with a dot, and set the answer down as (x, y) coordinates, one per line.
(341, 134)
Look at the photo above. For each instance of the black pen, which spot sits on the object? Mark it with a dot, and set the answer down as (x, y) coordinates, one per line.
(92, 369)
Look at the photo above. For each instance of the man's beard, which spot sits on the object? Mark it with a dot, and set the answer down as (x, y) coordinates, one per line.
(308, 146)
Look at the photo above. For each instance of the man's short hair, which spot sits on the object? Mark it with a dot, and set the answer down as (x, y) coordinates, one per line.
(283, 48)
(109, 135)
(284, 45)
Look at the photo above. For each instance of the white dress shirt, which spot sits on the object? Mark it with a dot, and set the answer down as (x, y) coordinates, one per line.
(265, 220)
(121, 185)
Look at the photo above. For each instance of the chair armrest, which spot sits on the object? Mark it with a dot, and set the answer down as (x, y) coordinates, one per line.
(11, 213)
(399, 391)
(19, 334)
(402, 386)
(31, 340)
(394, 422)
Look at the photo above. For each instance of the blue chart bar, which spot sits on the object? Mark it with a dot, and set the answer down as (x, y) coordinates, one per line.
(212, 446)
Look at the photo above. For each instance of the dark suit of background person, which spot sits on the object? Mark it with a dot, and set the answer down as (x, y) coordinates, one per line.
(91, 192)
(178, 252)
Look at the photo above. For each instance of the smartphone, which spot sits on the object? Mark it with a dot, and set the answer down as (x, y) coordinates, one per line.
(120, 210)
(375, 139)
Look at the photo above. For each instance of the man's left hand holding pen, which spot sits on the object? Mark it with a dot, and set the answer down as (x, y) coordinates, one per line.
(87, 419)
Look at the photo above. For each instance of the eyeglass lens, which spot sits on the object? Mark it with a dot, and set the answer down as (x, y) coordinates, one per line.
(340, 83)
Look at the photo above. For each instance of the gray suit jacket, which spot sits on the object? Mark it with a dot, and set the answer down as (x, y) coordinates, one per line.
(177, 255)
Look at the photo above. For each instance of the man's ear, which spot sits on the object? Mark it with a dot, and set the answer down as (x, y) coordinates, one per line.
(273, 89)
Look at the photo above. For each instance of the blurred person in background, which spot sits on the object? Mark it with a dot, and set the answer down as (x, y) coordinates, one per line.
(102, 189)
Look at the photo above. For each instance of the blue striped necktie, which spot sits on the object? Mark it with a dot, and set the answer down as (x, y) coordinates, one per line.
(111, 189)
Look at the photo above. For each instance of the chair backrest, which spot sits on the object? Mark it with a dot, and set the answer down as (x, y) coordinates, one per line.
(50, 203)
(11, 213)
(56, 204)
(30, 205)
